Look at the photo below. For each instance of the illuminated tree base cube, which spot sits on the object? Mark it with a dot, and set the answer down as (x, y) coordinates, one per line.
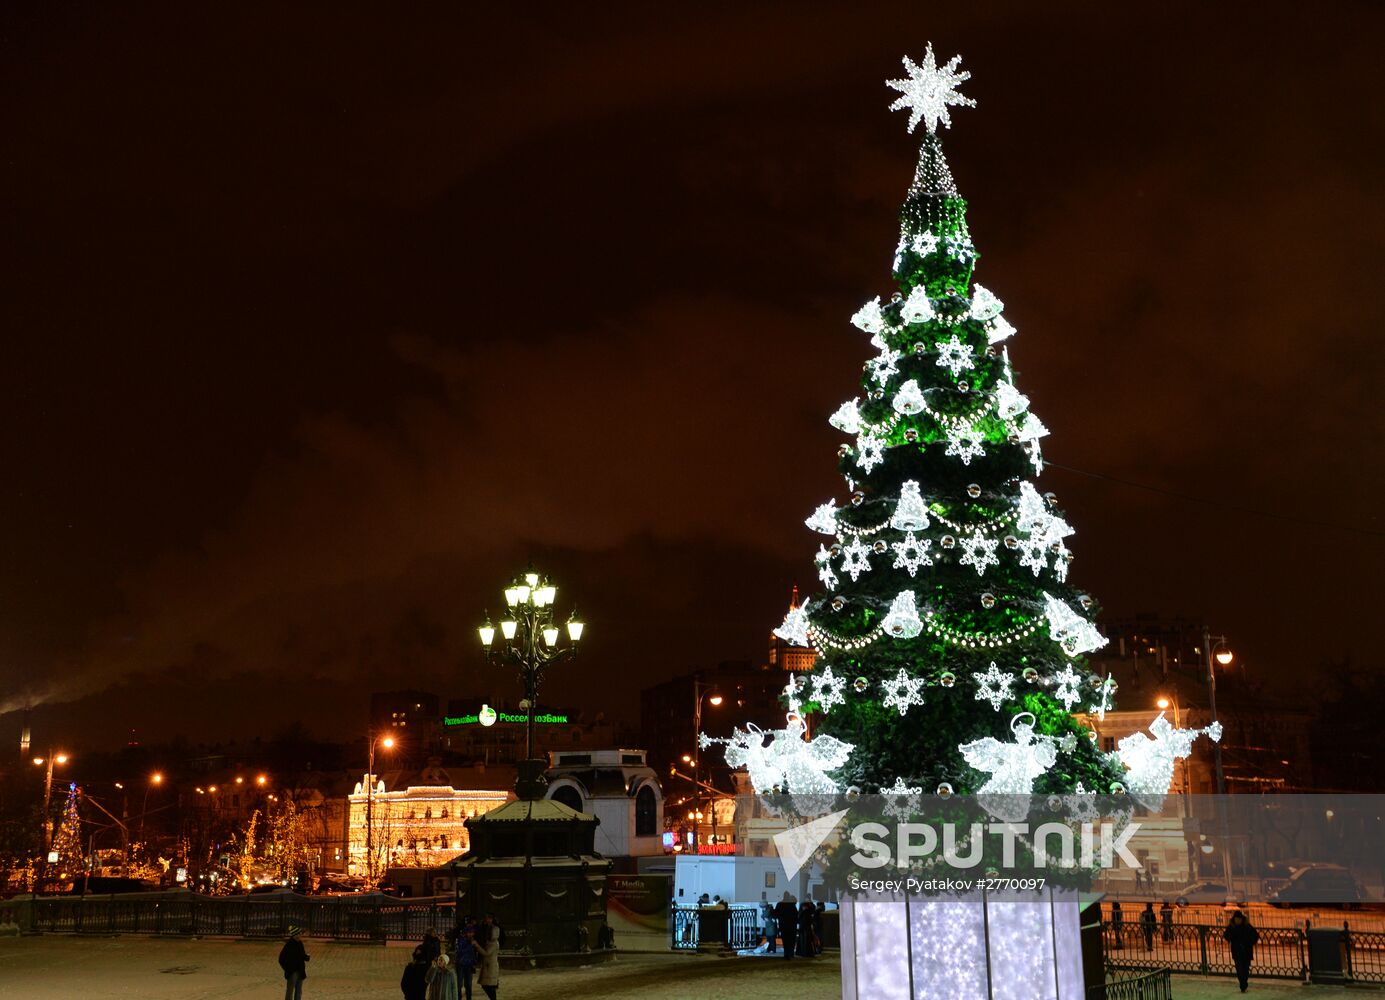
(952, 949)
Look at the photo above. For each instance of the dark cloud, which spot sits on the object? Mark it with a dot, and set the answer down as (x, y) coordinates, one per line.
(323, 325)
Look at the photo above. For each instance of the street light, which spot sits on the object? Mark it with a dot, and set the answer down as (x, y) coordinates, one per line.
(50, 760)
(710, 693)
(1223, 655)
(530, 639)
(387, 742)
(156, 778)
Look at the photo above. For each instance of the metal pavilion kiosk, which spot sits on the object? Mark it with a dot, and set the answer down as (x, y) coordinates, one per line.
(533, 864)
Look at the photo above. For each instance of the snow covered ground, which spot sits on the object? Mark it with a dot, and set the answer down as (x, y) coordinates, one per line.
(59, 967)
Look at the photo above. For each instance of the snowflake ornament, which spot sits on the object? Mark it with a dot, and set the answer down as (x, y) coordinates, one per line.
(901, 800)
(1069, 629)
(870, 451)
(1012, 768)
(910, 513)
(824, 519)
(984, 304)
(917, 307)
(869, 318)
(911, 553)
(955, 356)
(828, 690)
(965, 443)
(908, 399)
(928, 90)
(960, 248)
(994, 686)
(855, 559)
(794, 631)
(902, 691)
(924, 243)
(884, 365)
(979, 552)
(902, 621)
(847, 419)
(1069, 689)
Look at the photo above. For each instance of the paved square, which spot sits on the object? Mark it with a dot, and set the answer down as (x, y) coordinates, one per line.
(54, 967)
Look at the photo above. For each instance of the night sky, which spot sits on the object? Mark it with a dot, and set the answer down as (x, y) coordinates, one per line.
(321, 325)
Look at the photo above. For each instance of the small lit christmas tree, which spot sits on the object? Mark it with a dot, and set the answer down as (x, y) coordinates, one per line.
(67, 839)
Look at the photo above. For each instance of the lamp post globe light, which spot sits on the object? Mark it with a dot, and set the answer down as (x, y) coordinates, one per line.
(530, 639)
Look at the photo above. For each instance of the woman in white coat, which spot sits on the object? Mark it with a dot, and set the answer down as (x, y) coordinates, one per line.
(487, 940)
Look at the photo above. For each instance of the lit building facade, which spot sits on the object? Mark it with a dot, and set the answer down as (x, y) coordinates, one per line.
(416, 826)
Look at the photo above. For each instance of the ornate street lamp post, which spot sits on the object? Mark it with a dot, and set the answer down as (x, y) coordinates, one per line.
(370, 866)
(701, 692)
(529, 639)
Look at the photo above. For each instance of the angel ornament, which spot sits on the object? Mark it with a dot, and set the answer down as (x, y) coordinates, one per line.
(782, 760)
(1151, 761)
(1012, 767)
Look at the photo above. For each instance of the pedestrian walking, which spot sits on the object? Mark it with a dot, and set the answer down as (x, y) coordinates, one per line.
(442, 979)
(465, 958)
(293, 959)
(414, 983)
(770, 925)
(487, 940)
(1241, 936)
(1166, 919)
(1117, 922)
(786, 914)
(1147, 925)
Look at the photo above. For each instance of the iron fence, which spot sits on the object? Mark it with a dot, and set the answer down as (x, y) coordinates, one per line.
(1200, 948)
(339, 917)
(1156, 985)
(733, 927)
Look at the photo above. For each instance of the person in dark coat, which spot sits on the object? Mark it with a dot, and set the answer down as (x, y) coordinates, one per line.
(293, 959)
(432, 945)
(807, 936)
(1166, 918)
(770, 925)
(1117, 922)
(1148, 921)
(465, 958)
(414, 983)
(1241, 936)
(786, 914)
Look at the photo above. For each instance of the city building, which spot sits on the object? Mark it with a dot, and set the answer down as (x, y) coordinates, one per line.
(405, 714)
(620, 789)
(417, 817)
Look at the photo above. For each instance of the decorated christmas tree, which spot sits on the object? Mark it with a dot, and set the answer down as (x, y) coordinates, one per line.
(950, 639)
(67, 839)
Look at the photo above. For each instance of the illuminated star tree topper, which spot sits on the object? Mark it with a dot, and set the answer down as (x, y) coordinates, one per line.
(929, 89)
